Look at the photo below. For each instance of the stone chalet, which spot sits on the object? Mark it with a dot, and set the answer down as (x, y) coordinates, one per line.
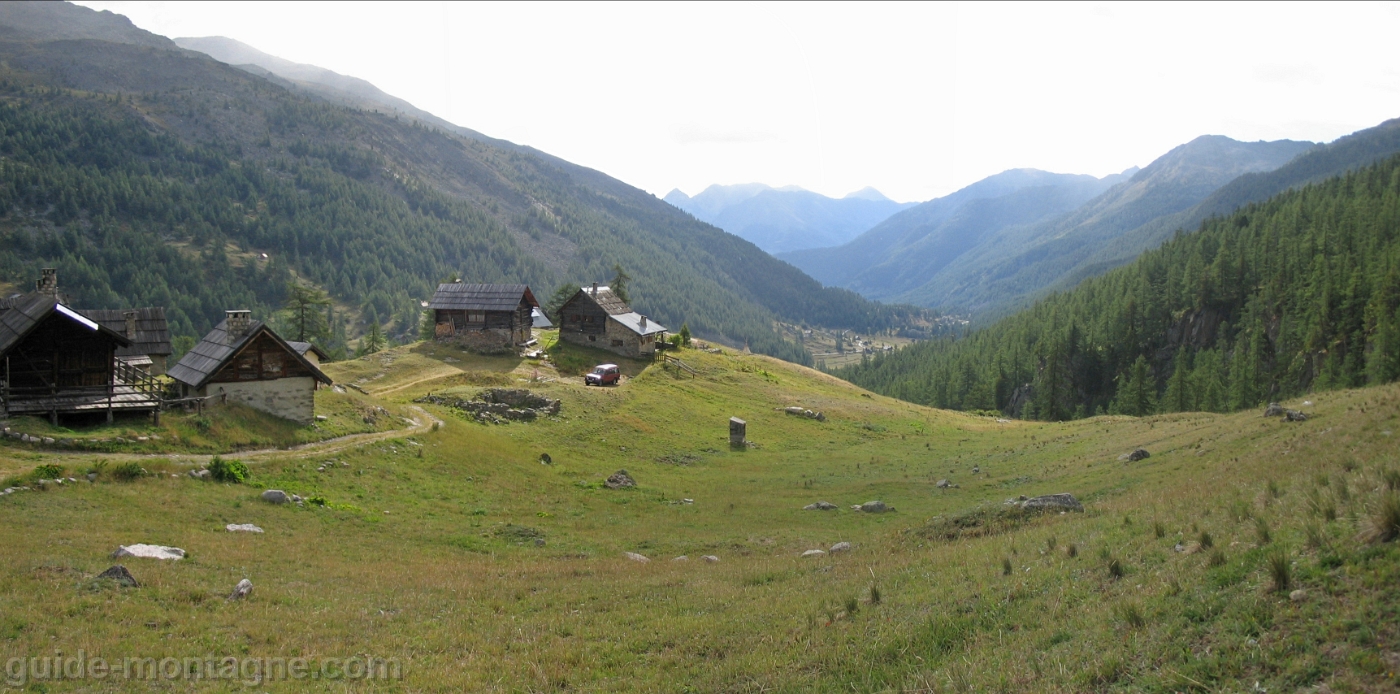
(596, 317)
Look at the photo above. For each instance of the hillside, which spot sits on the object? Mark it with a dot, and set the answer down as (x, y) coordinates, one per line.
(459, 556)
(1312, 166)
(1294, 295)
(877, 260)
(155, 175)
(779, 220)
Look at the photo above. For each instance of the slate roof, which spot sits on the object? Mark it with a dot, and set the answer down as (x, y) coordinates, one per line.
(633, 321)
(460, 296)
(303, 347)
(540, 320)
(605, 299)
(20, 315)
(218, 348)
(152, 333)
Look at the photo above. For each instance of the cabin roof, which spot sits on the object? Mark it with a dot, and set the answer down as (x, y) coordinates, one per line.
(604, 298)
(303, 347)
(633, 321)
(20, 315)
(540, 320)
(152, 332)
(219, 348)
(460, 296)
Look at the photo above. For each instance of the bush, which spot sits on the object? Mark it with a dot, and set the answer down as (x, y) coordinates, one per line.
(48, 472)
(1115, 568)
(228, 470)
(128, 471)
(1383, 524)
(1262, 532)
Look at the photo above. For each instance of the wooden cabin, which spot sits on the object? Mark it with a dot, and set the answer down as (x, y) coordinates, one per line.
(483, 317)
(596, 317)
(58, 361)
(147, 330)
(242, 360)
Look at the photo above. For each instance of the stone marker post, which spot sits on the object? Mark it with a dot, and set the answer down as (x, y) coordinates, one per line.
(738, 428)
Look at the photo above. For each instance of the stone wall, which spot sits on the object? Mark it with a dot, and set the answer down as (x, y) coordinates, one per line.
(288, 398)
(486, 341)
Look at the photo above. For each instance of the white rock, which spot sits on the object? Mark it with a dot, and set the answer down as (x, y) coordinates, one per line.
(681, 558)
(636, 557)
(813, 553)
(48, 441)
(841, 547)
(150, 552)
(710, 558)
(242, 528)
(241, 590)
(275, 496)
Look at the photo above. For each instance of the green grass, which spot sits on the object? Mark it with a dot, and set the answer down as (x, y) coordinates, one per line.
(425, 548)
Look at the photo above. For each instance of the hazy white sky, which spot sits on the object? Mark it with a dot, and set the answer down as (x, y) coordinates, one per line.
(916, 100)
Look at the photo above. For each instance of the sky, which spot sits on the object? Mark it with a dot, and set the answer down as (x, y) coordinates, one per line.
(916, 100)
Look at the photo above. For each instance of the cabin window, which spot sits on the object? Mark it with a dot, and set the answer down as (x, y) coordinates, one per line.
(617, 343)
(476, 316)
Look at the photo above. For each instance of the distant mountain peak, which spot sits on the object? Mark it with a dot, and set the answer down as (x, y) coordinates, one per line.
(866, 193)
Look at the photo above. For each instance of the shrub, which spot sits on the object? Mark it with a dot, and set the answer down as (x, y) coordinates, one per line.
(1206, 540)
(1115, 568)
(48, 472)
(1274, 490)
(1006, 567)
(1280, 569)
(852, 605)
(1050, 543)
(1383, 524)
(1316, 538)
(1072, 550)
(1217, 558)
(233, 471)
(1159, 529)
(98, 467)
(874, 594)
(203, 424)
(128, 471)
(1392, 479)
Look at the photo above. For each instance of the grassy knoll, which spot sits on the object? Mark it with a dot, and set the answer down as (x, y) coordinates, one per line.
(425, 549)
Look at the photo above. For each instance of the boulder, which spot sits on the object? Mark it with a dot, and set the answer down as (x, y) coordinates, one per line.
(1294, 416)
(944, 484)
(241, 590)
(149, 552)
(813, 553)
(275, 496)
(820, 506)
(545, 459)
(710, 558)
(874, 507)
(841, 547)
(119, 574)
(636, 557)
(619, 480)
(1273, 410)
(1298, 595)
(242, 528)
(201, 474)
(681, 558)
(1053, 502)
(1138, 454)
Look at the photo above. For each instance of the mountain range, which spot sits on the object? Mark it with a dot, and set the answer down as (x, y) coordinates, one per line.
(788, 218)
(152, 174)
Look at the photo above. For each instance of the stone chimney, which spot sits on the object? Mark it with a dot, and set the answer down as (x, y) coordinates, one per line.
(48, 282)
(594, 293)
(237, 322)
(644, 322)
(130, 317)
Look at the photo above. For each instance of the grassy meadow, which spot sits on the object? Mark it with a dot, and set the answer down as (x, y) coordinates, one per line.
(457, 551)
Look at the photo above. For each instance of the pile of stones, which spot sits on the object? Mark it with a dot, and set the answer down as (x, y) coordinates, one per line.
(499, 405)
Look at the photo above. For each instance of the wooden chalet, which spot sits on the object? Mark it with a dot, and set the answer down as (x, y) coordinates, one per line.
(58, 361)
(596, 317)
(484, 317)
(243, 360)
(147, 330)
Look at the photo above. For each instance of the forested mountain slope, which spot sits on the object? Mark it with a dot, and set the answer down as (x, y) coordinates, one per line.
(779, 220)
(154, 175)
(1300, 292)
(1317, 164)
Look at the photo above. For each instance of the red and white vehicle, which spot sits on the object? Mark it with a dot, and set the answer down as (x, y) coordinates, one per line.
(601, 375)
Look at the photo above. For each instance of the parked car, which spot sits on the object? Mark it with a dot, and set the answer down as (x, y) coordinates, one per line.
(602, 375)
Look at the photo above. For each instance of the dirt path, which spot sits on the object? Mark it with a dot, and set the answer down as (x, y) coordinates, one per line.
(422, 424)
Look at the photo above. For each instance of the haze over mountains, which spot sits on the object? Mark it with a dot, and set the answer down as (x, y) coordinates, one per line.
(787, 218)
